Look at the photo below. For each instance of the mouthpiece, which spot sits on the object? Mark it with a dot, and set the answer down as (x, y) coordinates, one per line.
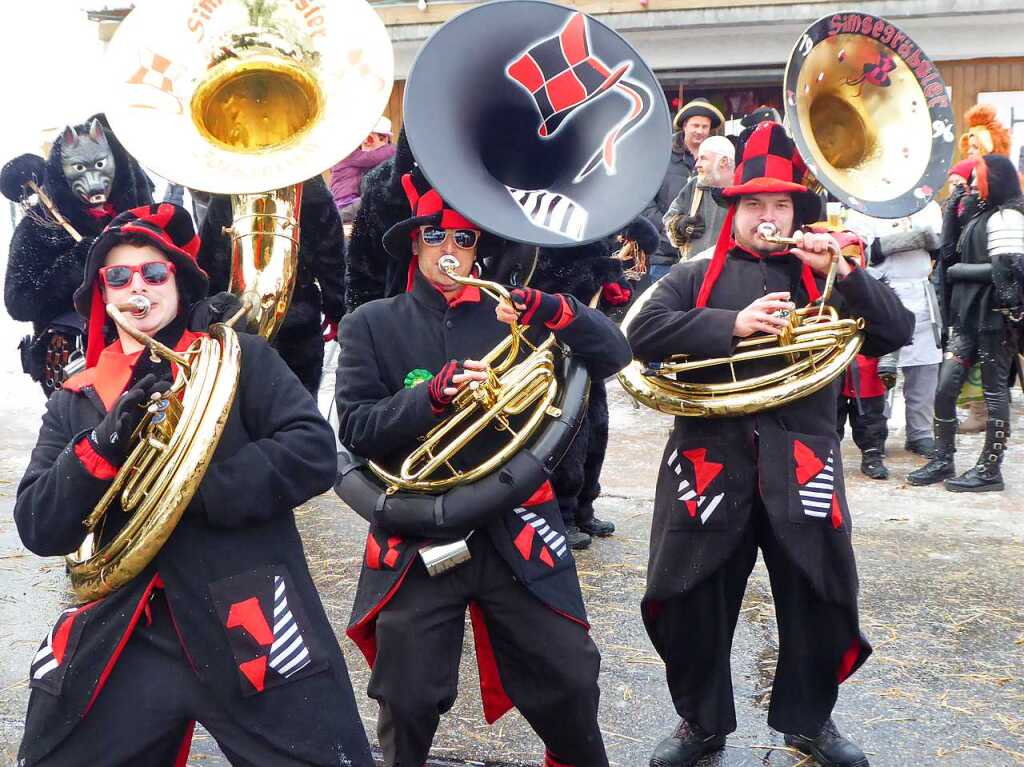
(448, 264)
(137, 305)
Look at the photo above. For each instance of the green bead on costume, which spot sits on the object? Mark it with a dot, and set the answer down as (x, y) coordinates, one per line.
(417, 376)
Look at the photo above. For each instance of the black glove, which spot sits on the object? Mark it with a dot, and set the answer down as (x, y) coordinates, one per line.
(443, 380)
(643, 233)
(876, 256)
(218, 308)
(690, 227)
(541, 308)
(112, 436)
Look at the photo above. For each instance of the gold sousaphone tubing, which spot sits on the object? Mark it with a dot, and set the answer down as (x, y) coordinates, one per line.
(173, 446)
(510, 389)
(816, 345)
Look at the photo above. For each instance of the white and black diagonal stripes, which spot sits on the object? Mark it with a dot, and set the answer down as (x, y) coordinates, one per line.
(705, 504)
(45, 661)
(552, 211)
(289, 653)
(554, 539)
(816, 494)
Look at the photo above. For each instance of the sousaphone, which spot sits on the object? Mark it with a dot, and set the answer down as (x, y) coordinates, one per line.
(870, 116)
(235, 97)
(547, 129)
(250, 99)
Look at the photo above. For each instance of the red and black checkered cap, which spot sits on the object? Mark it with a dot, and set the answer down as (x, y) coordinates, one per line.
(167, 227)
(770, 164)
(562, 74)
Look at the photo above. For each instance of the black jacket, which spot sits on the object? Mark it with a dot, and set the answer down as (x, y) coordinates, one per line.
(45, 265)
(381, 417)
(756, 453)
(236, 538)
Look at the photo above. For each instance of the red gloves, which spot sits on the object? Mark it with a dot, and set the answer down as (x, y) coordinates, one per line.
(616, 295)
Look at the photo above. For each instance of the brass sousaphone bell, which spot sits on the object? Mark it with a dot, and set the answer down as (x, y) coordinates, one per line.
(236, 97)
(250, 99)
(869, 114)
(553, 133)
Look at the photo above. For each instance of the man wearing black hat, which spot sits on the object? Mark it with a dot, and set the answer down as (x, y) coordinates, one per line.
(224, 626)
(403, 360)
(771, 479)
(693, 123)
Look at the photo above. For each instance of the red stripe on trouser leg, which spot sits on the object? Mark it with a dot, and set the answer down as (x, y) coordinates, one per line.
(492, 692)
(552, 761)
(846, 665)
(181, 760)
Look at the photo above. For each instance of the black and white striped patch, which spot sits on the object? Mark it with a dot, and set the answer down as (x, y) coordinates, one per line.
(816, 494)
(552, 211)
(552, 538)
(704, 505)
(288, 654)
(45, 659)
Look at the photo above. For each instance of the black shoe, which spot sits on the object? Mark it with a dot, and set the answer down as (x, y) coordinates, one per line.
(597, 527)
(829, 747)
(685, 746)
(924, 447)
(872, 465)
(576, 538)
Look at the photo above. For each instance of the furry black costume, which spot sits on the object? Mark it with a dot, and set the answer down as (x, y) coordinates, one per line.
(319, 280)
(45, 263)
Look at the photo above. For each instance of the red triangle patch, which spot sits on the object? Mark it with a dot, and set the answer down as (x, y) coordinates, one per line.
(545, 557)
(691, 506)
(837, 514)
(808, 465)
(255, 671)
(704, 471)
(524, 541)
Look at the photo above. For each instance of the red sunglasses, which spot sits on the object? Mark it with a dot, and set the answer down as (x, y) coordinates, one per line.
(153, 273)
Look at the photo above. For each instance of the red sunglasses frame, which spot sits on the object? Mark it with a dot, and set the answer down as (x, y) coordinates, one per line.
(136, 269)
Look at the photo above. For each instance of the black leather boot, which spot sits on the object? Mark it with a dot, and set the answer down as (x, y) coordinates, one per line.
(829, 747)
(941, 466)
(685, 746)
(985, 477)
(576, 538)
(872, 465)
(594, 526)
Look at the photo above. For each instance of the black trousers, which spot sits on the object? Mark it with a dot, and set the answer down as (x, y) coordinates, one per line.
(693, 634)
(145, 714)
(302, 349)
(547, 663)
(995, 352)
(867, 423)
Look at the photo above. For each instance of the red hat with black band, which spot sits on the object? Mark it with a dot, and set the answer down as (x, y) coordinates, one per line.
(771, 164)
(428, 209)
(165, 226)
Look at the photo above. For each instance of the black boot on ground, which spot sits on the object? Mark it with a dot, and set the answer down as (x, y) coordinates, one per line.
(872, 465)
(924, 447)
(591, 525)
(985, 477)
(576, 538)
(685, 746)
(941, 466)
(829, 747)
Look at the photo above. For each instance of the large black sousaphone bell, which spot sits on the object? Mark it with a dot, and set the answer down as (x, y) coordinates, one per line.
(538, 122)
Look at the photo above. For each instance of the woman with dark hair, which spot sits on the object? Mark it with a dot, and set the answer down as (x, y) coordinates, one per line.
(986, 312)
